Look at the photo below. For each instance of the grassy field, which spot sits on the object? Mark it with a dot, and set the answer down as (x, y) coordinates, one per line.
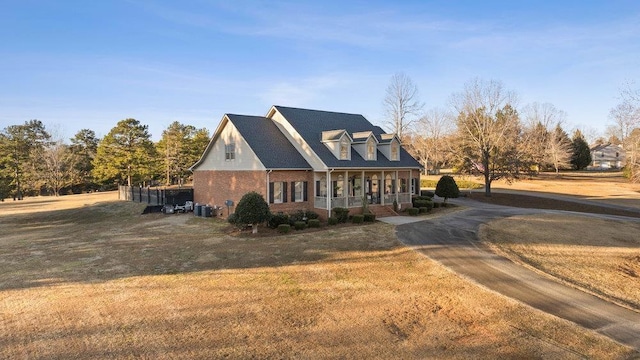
(600, 256)
(86, 276)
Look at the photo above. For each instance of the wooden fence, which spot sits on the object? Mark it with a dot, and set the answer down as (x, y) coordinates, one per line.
(155, 196)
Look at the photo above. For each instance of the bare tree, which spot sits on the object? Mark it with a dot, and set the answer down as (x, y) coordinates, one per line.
(626, 117)
(488, 127)
(558, 149)
(58, 166)
(401, 103)
(542, 138)
(431, 130)
(632, 148)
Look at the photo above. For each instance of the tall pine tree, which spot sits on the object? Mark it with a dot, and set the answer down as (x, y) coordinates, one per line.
(581, 157)
(126, 155)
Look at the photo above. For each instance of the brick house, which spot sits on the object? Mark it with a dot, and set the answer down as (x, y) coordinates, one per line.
(301, 159)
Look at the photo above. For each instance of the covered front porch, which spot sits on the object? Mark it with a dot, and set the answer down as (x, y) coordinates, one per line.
(355, 188)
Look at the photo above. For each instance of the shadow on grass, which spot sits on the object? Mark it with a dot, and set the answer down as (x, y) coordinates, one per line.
(112, 240)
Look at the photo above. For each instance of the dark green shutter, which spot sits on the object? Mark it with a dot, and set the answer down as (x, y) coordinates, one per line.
(270, 193)
(304, 191)
(284, 191)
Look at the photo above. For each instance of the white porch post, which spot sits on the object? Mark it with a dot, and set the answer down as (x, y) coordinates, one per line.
(383, 185)
(329, 193)
(396, 189)
(363, 187)
(345, 188)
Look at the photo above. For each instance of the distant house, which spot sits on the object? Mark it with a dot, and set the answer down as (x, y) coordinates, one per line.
(301, 159)
(607, 156)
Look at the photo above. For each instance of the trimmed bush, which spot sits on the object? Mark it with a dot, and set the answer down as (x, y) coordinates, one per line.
(447, 188)
(436, 205)
(252, 209)
(232, 218)
(277, 219)
(357, 219)
(311, 215)
(300, 216)
(423, 210)
(300, 225)
(369, 217)
(284, 228)
(427, 193)
(422, 203)
(314, 223)
(342, 214)
(332, 221)
(413, 211)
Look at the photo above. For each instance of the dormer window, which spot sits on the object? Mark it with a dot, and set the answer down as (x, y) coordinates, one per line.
(344, 148)
(395, 151)
(371, 149)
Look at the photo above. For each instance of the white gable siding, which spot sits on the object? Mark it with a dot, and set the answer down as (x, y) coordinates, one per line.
(361, 148)
(298, 142)
(385, 149)
(245, 158)
(334, 146)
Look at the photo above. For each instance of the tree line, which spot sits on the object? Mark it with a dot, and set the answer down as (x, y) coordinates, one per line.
(33, 162)
(483, 131)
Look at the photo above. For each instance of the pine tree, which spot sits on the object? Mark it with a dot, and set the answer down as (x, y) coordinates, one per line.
(126, 155)
(581, 157)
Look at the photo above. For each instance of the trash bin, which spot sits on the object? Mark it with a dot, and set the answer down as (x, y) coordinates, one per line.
(197, 210)
(208, 210)
(168, 209)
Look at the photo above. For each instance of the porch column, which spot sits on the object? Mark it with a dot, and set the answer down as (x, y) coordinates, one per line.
(329, 193)
(396, 189)
(382, 191)
(363, 187)
(345, 188)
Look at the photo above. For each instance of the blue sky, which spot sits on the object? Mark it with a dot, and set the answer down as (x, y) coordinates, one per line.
(88, 64)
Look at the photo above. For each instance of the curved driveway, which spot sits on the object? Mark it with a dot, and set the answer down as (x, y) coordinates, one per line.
(452, 240)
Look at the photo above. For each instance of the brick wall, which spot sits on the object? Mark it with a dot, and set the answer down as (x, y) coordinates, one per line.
(289, 176)
(215, 187)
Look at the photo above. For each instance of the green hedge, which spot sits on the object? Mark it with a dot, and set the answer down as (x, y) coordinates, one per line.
(423, 210)
(413, 211)
(314, 223)
(357, 219)
(332, 221)
(300, 225)
(284, 228)
(369, 217)
(342, 214)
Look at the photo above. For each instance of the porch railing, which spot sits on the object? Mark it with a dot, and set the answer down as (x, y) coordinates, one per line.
(320, 202)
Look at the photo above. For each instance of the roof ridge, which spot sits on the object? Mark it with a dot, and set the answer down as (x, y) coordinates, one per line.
(315, 110)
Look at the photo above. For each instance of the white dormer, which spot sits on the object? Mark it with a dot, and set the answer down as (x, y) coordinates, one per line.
(390, 146)
(339, 142)
(366, 144)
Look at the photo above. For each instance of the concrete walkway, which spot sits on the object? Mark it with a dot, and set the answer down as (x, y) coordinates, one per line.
(400, 220)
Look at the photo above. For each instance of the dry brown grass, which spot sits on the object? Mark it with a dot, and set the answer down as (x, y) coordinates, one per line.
(602, 256)
(605, 187)
(101, 281)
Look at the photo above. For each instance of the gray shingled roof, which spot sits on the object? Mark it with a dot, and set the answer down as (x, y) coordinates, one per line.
(311, 123)
(270, 145)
